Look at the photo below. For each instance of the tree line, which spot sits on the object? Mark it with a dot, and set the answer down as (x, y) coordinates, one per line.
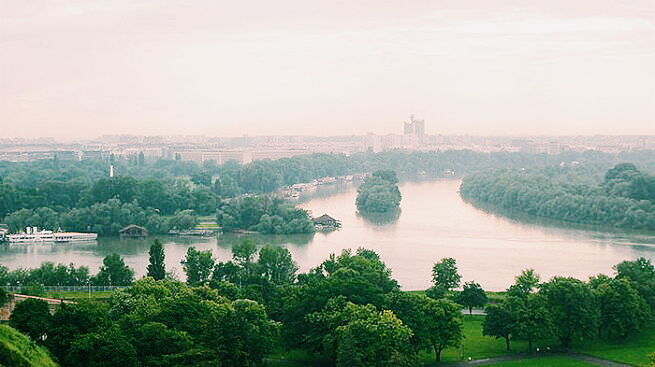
(571, 310)
(349, 310)
(67, 184)
(264, 214)
(166, 187)
(106, 219)
(113, 272)
(624, 198)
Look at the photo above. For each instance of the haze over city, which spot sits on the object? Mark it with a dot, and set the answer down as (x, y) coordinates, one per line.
(81, 69)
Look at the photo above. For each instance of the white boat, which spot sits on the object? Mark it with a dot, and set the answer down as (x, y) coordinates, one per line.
(74, 236)
(32, 234)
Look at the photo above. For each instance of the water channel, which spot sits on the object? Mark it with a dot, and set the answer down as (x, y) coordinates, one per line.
(434, 223)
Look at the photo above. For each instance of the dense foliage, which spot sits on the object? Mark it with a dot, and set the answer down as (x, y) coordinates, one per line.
(113, 272)
(574, 311)
(625, 198)
(379, 193)
(349, 310)
(264, 214)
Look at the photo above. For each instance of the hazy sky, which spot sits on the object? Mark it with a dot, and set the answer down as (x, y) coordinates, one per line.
(79, 69)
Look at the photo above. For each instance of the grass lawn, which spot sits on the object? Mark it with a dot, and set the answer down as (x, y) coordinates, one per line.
(545, 362)
(78, 296)
(634, 350)
(476, 345)
(492, 297)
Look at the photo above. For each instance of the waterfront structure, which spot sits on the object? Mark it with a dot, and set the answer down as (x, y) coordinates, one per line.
(32, 234)
(326, 223)
(133, 231)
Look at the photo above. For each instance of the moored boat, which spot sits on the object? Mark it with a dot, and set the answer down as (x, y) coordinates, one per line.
(32, 234)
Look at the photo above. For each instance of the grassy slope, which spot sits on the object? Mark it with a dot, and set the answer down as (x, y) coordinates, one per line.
(17, 350)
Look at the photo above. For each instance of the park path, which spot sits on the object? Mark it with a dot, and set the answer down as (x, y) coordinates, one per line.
(491, 361)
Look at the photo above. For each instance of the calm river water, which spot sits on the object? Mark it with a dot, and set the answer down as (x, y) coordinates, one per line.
(434, 223)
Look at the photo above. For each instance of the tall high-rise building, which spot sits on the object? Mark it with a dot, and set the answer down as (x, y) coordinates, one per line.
(415, 128)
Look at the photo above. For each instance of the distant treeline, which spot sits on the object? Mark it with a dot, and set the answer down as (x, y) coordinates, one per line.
(165, 187)
(624, 198)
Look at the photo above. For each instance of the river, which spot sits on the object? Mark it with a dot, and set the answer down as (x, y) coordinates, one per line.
(434, 223)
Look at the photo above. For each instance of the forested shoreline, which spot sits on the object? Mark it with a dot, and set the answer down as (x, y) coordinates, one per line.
(78, 195)
(347, 311)
(623, 198)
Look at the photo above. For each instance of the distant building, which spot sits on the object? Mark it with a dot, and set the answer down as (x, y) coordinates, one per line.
(94, 154)
(414, 131)
(372, 143)
(392, 141)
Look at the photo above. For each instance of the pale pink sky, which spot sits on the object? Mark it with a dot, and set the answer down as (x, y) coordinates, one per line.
(79, 69)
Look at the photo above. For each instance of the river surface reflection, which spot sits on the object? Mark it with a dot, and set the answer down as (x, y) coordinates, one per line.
(433, 223)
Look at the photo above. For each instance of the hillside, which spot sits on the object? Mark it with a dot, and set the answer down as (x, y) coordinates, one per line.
(17, 350)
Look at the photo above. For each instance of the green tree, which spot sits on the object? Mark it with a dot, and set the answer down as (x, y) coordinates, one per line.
(155, 342)
(114, 272)
(222, 332)
(444, 278)
(573, 308)
(641, 273)
(157, 268)
(73, 320)
(244, 253)
(387, 175)
(525, 284)
(277, 265)
(623, 311)
(198, 266)
(32, 317)
(498, 323)
(360, 278)
(108, 347)
(257, 333)
(436, 324)
(471, 296)
(528, 311)
(183, 220)
(358, 335)
(531, 317)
